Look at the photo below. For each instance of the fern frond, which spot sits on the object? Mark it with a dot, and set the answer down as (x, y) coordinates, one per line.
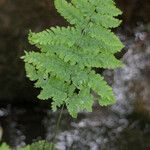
(108, 40)
(69, 12)
(105, 20)
(101, 87)
(56, 89)
(84, 58)
(80, 102)
(64, 64)
(52, 36)
(85, 7)
(99, 15)
(106, 7)
(48, 64)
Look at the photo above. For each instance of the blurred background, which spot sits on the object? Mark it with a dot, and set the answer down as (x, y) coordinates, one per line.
(24, 118)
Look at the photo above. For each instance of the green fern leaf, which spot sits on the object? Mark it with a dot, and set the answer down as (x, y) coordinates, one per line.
(100, 86)
(69, 12)
(80, 102)
(106, 7)
(68, 55)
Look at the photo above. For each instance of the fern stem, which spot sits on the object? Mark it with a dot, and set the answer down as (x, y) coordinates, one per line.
(58, 123)
(56, 129)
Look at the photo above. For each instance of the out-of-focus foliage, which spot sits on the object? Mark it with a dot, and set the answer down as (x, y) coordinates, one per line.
(41, 145)
(67, 55)
(4, 146)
